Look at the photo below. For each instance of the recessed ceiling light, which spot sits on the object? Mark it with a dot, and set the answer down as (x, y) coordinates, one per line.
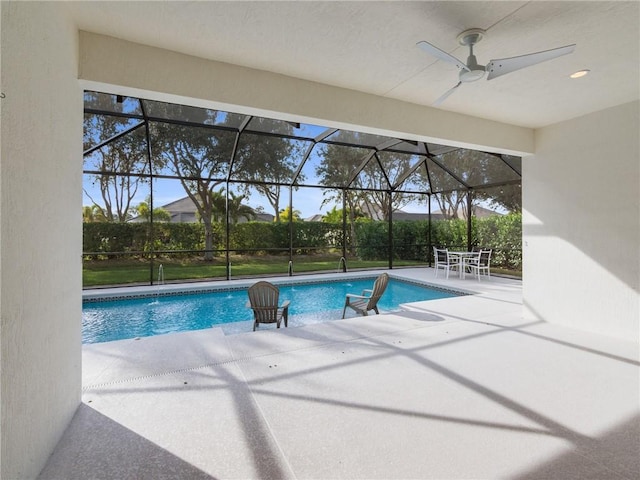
(580, 73)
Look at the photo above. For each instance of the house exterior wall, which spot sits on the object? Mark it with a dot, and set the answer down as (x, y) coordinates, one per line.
(40, 234)
(581, 223)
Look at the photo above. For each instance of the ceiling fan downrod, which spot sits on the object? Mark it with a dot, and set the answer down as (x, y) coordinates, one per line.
(475, 72)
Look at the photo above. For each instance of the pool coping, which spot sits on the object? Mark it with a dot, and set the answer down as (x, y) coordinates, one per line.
(174, 289)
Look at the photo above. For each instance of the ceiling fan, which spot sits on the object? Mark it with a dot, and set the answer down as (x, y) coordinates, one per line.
(495, 68)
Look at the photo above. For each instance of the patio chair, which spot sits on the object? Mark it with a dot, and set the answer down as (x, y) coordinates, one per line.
(263, 300)
(445, 261)
(479, 264)
(368, 301)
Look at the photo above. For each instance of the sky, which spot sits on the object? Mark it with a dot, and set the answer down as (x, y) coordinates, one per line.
(306, 200)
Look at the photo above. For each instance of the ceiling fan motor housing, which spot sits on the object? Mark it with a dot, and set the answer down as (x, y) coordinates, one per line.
(475, 72)
(469, 38)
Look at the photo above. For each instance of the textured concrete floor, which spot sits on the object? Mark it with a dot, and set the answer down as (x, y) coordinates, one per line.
(449, 389)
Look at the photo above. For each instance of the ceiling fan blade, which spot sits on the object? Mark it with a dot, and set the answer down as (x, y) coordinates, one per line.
(445, 95)
(503, 66)
(436, 52)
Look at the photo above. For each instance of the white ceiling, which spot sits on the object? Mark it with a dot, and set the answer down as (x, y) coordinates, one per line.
(370, 47)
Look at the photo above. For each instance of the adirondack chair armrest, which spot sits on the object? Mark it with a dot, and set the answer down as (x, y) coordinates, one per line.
(367, 292)
(353, 295)
(285, 305)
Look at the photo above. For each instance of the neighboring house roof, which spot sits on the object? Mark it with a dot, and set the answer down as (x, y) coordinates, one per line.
(184, 204)
(482, 212)
(478, 211)
(184, 210)
(414, 217)
(261, 217)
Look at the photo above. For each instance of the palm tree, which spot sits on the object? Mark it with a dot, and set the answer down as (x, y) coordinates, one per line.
(93, 213)
(287, 214)
(237, 209)
(159, 213)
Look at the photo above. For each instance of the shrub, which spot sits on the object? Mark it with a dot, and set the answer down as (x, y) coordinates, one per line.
(501, 233)
(372, 240)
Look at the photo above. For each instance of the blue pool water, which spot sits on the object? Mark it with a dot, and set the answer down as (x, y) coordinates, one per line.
(106, 321)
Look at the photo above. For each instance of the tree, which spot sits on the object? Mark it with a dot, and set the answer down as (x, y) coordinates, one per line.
(508, 196)
(335, 215)
(382, 172)
(335, 171)
(92, 213)
(219, 204)
(475, 169)
(159, 213)
(286, 214)
(193, 154)
(237, 209)
(268, 162)
(371, 186)
(114, 162)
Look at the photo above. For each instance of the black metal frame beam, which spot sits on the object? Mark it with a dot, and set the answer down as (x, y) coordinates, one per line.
(453, 175)
(322, 138)
(402, 178)
(390, 145)
(359, 169)
(316, 140)
(384, 172)
(501, 157)
(113, 138)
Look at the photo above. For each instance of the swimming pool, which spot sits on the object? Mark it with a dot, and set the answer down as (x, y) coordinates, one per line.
(312, 302)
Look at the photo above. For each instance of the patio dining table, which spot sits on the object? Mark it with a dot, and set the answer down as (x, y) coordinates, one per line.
(462, 257)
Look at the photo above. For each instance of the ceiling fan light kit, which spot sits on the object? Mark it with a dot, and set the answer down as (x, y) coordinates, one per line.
(580, 73)
(471, 71)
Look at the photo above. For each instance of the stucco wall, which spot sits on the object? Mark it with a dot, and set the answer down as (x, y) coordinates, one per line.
(40, 234)
(581, 223)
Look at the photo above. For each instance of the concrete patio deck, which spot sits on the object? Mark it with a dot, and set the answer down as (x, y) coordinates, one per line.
(448, 389)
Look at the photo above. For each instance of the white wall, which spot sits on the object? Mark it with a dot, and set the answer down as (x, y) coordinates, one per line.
(581, 223)
(40, 234)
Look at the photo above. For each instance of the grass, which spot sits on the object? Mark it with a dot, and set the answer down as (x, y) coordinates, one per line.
(97, 273)
(126, 272)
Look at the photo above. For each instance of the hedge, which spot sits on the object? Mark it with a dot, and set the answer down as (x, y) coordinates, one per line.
(502, 233)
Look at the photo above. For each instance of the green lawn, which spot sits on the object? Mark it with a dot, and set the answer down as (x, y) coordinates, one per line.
(123, 272)
(97, 273)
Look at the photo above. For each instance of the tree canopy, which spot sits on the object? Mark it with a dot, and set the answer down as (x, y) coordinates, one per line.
(267, 162)
(159, 214)
(192, 154)
(126, 153)
(288, 214)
